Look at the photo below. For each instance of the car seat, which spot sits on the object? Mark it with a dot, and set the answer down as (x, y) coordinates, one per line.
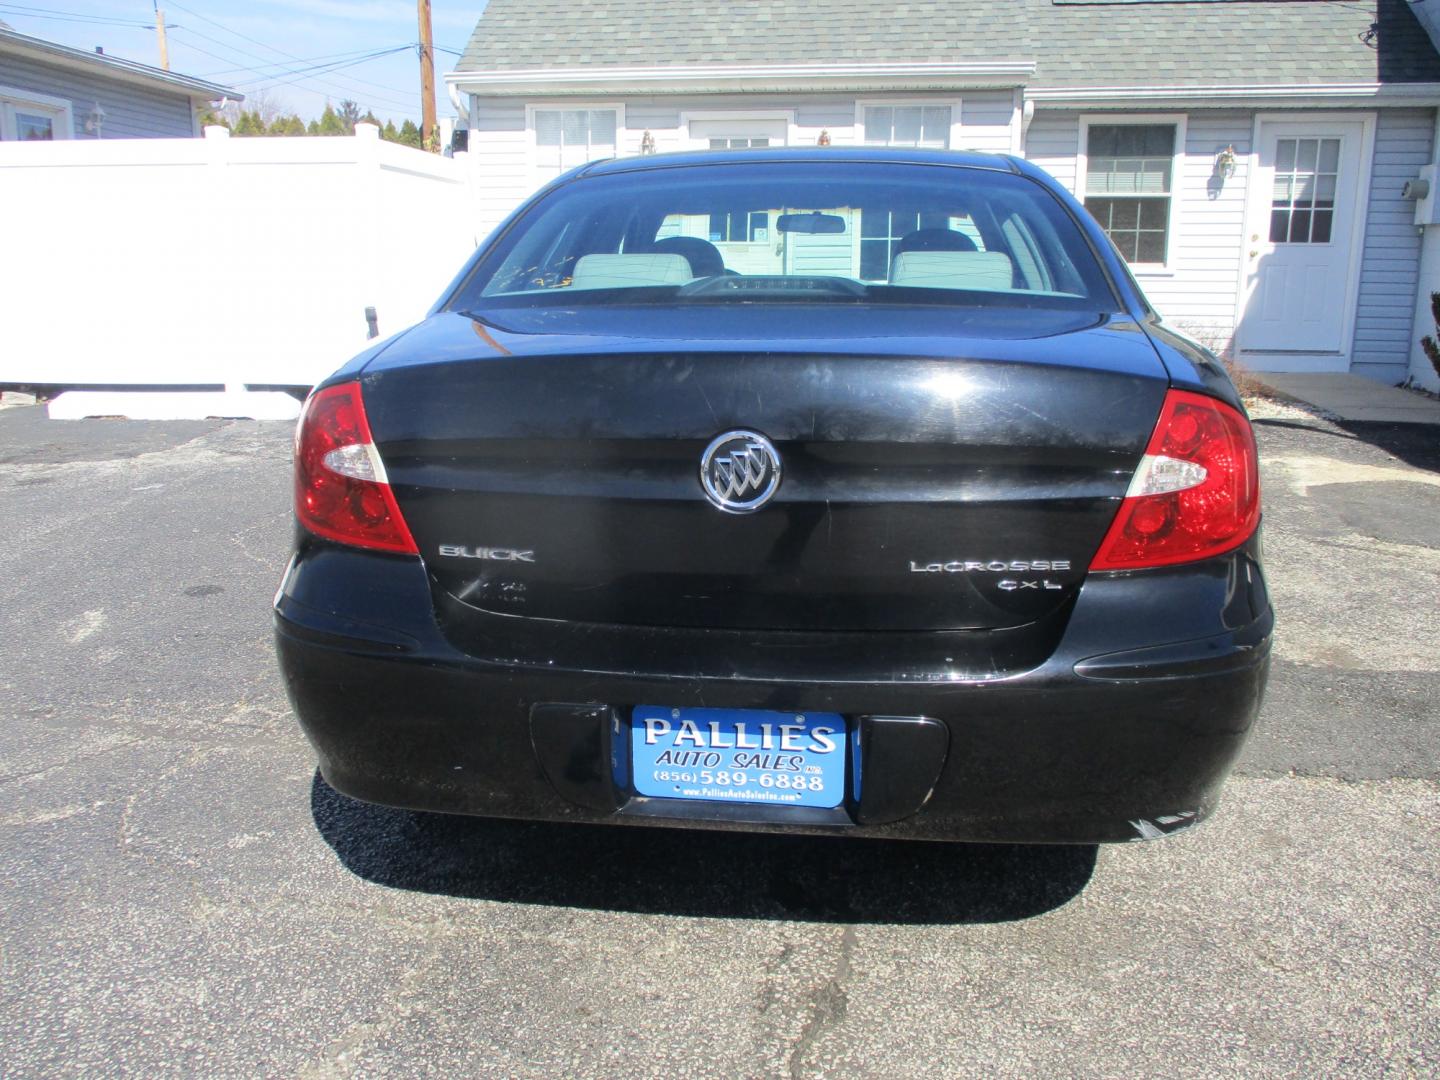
(704, 257)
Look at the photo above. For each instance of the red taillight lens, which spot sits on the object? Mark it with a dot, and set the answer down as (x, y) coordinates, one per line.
(1196, 492)
(341, 492)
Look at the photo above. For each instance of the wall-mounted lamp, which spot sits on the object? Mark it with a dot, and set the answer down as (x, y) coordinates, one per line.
(95, 122)
(647, 143)
(1225, 163)
(824, 139)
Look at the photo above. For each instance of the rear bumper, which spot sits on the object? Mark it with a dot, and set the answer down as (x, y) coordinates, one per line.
(1126, 730)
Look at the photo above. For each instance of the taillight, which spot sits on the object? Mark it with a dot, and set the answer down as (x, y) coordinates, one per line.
(1196, 492)
(341, 492)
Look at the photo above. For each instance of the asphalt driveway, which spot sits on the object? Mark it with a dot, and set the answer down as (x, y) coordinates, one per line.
(181, 896)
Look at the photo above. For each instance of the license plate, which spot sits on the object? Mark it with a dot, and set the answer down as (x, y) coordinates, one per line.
(739, 755)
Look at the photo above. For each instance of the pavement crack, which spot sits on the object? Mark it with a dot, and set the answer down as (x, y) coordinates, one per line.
(128, 838)
(240, 541)
(828, 1004)
(76, 759)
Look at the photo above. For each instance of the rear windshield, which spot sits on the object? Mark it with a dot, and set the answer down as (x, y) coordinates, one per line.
(776, 232)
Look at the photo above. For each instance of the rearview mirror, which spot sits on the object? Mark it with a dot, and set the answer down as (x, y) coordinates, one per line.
(815, 222)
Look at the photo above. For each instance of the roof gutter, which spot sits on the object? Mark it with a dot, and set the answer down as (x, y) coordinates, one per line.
(741, 78)
(1236, 94)
(114, 66)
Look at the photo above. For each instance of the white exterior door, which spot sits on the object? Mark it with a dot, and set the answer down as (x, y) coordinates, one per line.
(1302, 245)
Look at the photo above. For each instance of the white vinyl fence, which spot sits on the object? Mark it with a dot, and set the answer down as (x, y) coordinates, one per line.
(218, 262)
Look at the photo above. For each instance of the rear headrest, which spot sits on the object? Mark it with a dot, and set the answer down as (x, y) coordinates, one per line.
(935, 240)
(989, 270)
(627, 271)
(704, 257)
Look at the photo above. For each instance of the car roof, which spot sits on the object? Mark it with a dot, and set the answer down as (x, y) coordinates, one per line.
(891, 155)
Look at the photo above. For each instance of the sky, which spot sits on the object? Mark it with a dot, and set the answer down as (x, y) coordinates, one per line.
(296, 54)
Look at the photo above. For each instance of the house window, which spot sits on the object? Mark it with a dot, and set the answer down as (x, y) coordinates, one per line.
(1128, 186)
(1302, 209)
(752, 143)
(740, 227)
(567, 138)
(24, 119)
(908, 125)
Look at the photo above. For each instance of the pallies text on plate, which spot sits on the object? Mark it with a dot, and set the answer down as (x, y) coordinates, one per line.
(786, 737)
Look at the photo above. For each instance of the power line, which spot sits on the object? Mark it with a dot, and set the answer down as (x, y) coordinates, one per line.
(303, 76)
(283, 73)
(286, 65)
(229, 30)
(309, 73)
(348, 90)
(56, 15)
(268, 47)
(339, 65)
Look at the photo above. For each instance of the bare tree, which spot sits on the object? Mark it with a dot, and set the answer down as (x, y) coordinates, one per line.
(268, 106)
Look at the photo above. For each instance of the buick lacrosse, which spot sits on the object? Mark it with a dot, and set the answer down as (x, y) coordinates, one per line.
(852, 491)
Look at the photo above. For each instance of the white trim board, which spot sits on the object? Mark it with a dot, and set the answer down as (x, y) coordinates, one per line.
(1322, 94)
(1320, 363)
(557, 82)
(1257, 202)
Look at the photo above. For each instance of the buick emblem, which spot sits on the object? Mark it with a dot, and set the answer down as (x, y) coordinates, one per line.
(740, 471)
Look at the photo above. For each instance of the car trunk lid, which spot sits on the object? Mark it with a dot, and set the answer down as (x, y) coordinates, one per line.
(957, 475)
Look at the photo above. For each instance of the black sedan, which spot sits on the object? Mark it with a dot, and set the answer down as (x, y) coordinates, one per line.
(831, 491)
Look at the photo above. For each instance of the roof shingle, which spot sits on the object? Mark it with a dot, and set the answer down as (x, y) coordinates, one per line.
(1074, 42)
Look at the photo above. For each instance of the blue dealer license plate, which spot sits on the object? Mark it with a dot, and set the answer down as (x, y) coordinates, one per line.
(738, 755)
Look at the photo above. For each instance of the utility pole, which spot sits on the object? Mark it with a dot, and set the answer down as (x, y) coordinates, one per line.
(160, 33)
(427, 81)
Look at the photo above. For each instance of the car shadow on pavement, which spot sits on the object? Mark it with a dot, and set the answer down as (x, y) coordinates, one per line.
(1417, 445)
(696, 873)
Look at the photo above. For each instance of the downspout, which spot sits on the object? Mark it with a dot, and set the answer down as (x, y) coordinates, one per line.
(1022, 111)
(453, 89)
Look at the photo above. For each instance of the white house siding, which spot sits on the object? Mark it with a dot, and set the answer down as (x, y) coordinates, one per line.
(988, 119)
(1201, 292)
(500, 154)
(1198, 291)
(131, 111)
(1209, 223)
(500, 143)
(1390, 264)
(1052, 142)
